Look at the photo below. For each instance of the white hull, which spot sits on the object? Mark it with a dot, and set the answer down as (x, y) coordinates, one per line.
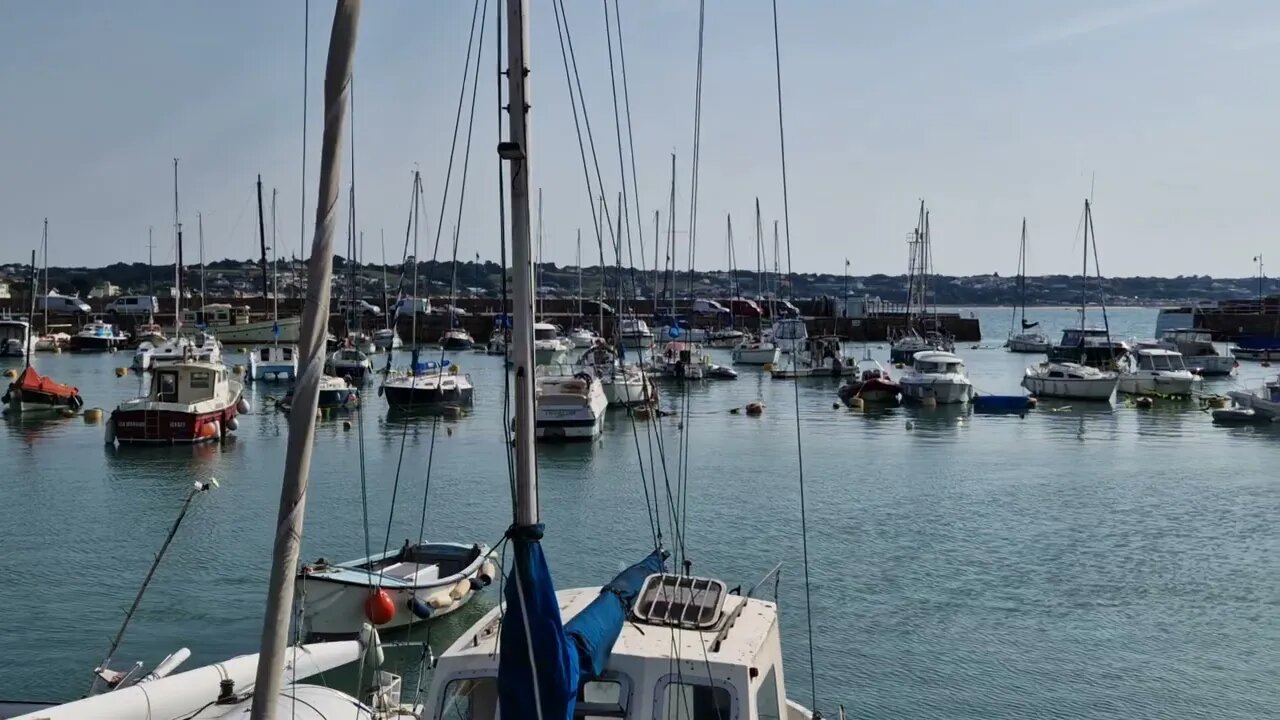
(549, 356)
(1023, 345)
(637, 341)
(255, 333)
(1160, 383)
(1211, 365)
(1070, 388)
(1260, 405)
(626, 391)
(756, 356)
(946, 391)
(273, 371)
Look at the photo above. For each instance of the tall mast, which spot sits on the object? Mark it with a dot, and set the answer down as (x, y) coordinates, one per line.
(45, 244)
(200, 236)
(579, 263)
(1022, 273)
(275, 278)
(516, 151)
(671, 240)
(151, 281)
(315, 312)
(1084, 274)
(656, 253)
(262, 241)
(31, 316)
(177, 261)
(386, 299)
(538, 266)
(728, 219)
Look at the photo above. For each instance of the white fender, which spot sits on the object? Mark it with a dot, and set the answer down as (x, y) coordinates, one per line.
(440, 600)
(460, 589)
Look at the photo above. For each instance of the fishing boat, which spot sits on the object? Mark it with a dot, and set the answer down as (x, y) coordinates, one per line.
(634, 334)
(425, 581)
(872, 384)
(548, 347)
(233, 326)
(936, 376)
(273, 362)
(1155, 371)
(387, 339)
(568, 407)
(457, 339)
(1199, 352)
(427, 384)
(98, 336)
(646, 645)
(33, 392)
(188, 402)
(1023, 338)
(1068, 380)
(348, 362)
(15, 338)
(818, 356)
(624, 385)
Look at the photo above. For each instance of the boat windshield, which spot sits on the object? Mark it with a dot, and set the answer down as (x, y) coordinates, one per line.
(1161, 362)
(939, 367)
(541, 333)
(790, 330)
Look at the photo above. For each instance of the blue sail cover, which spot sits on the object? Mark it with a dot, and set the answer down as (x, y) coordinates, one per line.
(533, 640)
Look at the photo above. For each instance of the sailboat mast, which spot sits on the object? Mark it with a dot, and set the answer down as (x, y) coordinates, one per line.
(671, 239)
(262, 241)
(656, 253)
(515, 150)
(1084, 274)
(200, 236)
(31, 317)
(386, 298)
(45, 249)
(579, 263)
(539, 259)
(275, 277)
(1022, 274)
(315, 312)
(728, 219)
(177, 261)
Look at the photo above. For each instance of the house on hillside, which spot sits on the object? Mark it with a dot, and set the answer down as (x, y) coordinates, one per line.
(104, 289)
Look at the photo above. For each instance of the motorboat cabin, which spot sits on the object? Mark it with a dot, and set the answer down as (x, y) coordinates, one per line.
(1090, 346)
(1199, 352)
(936, 376)
(1155, 371)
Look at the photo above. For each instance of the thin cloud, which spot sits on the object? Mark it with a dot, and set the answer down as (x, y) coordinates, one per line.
(1102, 20)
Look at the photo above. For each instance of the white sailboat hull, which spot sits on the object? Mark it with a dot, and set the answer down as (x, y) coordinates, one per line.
(1070, 388)
(261, 332)
(186, 695)
(637, 341)
(765, 354)
(1022, 344)
(626, 390)
(549, 355)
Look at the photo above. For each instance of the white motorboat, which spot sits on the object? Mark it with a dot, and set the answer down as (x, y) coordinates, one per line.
(788, 334)
(497, 344)
(53, 342)
(583, 337)
(98, 336)
(756, 351)
(1198, 352)
(1028, 342)
(634, 333)
(348, 362)
(142, 357)
(725, 338)
(427, 384)
(679, 361)
(424, 581)
(1155, 371)
(817, 356)
(936, 376)
(233, 326)
(624, 385)
(387, 339)
(548, 347)
(273, 362)
(568, 407)
(457, 339)
(16, 339)
(1070, 380)
(903, 347)
(1265, 402)
(203, 347)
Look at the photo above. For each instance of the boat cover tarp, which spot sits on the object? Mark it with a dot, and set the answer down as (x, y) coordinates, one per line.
(1000, 403)
(32, 381)
(543, 663)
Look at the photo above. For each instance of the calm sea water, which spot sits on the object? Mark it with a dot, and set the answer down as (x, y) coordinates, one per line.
(1073, 563)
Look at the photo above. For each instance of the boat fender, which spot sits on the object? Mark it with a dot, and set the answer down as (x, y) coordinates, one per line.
(244, 406)
(232, 424)
(379, 391)
(379, 608)
(372, 644)
(440, 600)
(475, 583)
(122, 371)
(460, 589)
(487, 572)
(4, 400)
(110, 433)
(421, 610)
(77, 402)
(211, 429)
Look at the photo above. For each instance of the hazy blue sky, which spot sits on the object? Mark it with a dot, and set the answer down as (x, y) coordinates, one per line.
(989, 109)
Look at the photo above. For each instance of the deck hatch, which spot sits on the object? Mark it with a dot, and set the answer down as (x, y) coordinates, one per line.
(680, 601)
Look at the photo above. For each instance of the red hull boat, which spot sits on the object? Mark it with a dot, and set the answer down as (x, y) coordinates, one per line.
(189, 402)
(873, 384)
(32, 391)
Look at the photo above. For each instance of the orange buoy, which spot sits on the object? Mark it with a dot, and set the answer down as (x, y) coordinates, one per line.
(208, 430)
(379, 608)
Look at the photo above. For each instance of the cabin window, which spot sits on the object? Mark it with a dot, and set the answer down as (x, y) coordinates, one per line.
(201, 380)
(544, 334)
(600, 700)
(266, 354)
(470, 699)
(288, 354)
(768, 706)
(167, 387)
(687, 700)
(1055, 374)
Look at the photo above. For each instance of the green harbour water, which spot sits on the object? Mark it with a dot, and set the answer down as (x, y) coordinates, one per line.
(1075, 562)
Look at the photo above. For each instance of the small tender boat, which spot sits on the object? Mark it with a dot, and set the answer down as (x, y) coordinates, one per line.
(426, 384)
(756, 351)
(15, 338)
(548, 347)
(634, 333)
(936, 376)
(349, 362)
(425, 581)
(623, 385)
(387, 339)
(1265, 402)
(98, 336)
(1241, 416)
(457, 339)
(1154, 371)
(52, 342)
(817, 356)
(1070, 380)
(32, 392)
(568, 407)
(872, 384)
(188, 402)
(273, 362)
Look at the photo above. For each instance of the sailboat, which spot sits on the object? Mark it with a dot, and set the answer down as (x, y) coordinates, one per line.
(1020, 340)
(640, 644)
(200, 345)
(759, 349)
(274, 361)
(581, 336)
(30, 391)
(1092, 346)
(254, 685)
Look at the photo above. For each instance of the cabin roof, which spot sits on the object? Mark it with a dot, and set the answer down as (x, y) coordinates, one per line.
(935, 356)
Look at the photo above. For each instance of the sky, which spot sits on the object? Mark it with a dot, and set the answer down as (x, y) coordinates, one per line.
(1163, 110)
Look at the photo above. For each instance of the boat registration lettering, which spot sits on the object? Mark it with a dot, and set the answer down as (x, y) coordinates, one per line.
(559, 413)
